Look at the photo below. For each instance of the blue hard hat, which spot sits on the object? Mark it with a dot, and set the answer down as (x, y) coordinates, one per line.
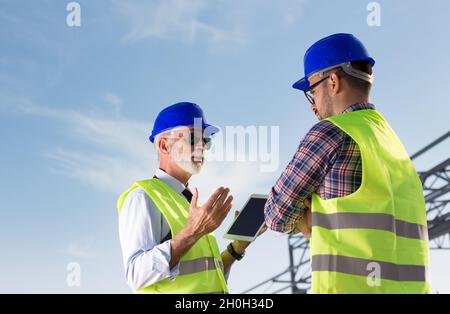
(179, 114)
(331, 51)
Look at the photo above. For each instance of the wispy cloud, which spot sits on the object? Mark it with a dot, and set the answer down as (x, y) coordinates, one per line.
(295, 11)
(221, 23)
(176, 19)
(114, 101)
(77, 250)
(115, 152)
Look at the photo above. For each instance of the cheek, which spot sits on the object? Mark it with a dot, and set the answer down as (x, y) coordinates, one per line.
(317, 101)
(179, 149)
(176, 149)
(320, 101)
(184, 149)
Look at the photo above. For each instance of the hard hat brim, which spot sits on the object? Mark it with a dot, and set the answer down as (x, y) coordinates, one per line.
(302, 84)
(211, 130)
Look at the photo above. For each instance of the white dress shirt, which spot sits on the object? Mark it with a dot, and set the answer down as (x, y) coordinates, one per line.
(141, 229)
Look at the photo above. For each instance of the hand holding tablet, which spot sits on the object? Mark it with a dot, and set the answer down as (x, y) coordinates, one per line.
(249, 223)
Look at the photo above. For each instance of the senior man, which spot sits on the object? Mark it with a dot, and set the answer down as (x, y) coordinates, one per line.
(166, 237)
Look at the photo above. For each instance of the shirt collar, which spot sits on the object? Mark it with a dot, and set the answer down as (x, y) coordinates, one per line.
(170, 181)
(359, 106)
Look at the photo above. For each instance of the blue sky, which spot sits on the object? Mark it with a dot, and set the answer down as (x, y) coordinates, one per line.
(77, 104)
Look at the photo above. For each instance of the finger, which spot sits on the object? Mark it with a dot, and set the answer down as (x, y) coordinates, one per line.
(227, 206)
(194, 198)
(212, 199)
(302, 228)
(307, 202)
(223, 211)
(227, 203)
(298, 226)
(226, 210)
(221, 198)
(263, 229)
(236, 214)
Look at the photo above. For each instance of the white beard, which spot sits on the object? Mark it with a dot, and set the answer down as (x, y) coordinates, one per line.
(186, 163)
(190, 166)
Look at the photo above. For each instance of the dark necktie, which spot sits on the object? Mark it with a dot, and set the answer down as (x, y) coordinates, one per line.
(187, 194)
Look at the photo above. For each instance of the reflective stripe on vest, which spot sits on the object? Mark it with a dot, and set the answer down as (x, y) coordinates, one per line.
(374, 240)
(370, 221)
(201, 268)
(200, 264)
(360, 267)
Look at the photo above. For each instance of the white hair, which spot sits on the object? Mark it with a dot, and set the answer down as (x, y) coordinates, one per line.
(167, 133)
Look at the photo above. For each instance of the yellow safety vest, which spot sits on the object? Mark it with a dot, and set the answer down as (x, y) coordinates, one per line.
(201, 268)
(374, 240)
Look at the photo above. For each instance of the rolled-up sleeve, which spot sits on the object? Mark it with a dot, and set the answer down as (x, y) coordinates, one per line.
(315, 155)
(145, 260)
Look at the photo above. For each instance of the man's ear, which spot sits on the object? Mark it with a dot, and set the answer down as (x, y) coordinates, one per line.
(163, 146)
(335, 84)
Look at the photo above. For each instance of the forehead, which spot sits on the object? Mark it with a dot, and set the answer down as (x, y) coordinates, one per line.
(184, 129)
(314, 78)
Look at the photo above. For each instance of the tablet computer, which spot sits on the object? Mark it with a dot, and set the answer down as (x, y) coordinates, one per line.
(250, 221)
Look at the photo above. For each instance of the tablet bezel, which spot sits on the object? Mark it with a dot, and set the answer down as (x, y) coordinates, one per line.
(231, 236)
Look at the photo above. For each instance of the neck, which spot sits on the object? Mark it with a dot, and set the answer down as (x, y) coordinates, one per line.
(176, 172)
(349, 100)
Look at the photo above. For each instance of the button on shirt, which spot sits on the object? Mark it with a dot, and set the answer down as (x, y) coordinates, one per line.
(142, 227)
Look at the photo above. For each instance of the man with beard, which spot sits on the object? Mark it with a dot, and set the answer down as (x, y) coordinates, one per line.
(166, 237)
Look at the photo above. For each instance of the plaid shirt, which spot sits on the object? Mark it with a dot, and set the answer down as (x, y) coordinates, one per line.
(327, 162)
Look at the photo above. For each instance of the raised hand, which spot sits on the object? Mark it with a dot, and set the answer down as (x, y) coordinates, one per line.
(208, 217)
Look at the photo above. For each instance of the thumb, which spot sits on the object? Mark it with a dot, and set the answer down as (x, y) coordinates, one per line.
(236, 214)
(194, 198)
(307, 202)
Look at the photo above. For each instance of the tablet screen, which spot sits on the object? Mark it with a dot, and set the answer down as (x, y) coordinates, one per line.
(250, 219)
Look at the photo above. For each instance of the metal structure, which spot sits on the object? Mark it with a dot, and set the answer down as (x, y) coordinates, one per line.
(436, 189)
